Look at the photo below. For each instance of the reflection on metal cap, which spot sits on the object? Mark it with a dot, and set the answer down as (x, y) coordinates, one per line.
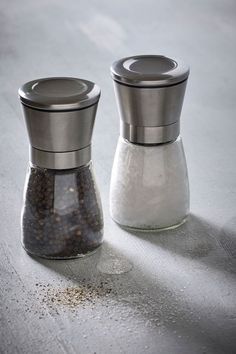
(149, 92)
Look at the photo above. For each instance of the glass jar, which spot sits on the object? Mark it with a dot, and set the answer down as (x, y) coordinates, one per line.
(62, 212)
(61, 215)
(149, 187)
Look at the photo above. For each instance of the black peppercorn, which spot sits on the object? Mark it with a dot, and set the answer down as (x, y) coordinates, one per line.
(62, 215)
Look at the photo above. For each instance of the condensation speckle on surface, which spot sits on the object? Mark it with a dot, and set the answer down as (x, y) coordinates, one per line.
(110, 263)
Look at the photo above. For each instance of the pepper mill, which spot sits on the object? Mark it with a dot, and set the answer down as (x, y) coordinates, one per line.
(149, 185)
(62, 213)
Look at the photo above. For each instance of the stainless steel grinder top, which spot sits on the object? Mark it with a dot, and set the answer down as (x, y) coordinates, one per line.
(59, 114)
(149, 91)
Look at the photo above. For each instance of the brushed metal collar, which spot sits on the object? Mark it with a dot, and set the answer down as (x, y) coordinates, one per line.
(60, 160)
(149, 135)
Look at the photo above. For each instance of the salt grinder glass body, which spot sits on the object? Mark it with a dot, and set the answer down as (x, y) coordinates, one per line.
(149, 184)
(62, 213)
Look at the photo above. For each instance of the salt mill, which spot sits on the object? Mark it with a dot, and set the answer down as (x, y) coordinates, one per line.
(62, 213)
(149, 185)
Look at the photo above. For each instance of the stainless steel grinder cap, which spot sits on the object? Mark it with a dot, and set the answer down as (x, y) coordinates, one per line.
(149, 90)
(59, 114)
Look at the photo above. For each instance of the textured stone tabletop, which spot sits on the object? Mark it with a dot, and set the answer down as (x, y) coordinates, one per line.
(170, 292)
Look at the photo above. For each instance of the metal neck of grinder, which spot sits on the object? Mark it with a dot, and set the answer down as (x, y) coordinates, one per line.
(149, 91)
(60, 160)
(59, 115)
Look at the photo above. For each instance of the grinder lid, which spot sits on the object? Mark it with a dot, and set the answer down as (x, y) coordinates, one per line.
(59, 94)
(149, 71)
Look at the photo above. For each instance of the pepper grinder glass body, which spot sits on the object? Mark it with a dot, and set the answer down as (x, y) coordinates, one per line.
(61, 214)
(149, 187)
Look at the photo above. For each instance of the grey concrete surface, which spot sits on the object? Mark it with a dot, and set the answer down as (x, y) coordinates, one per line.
(171, 292)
